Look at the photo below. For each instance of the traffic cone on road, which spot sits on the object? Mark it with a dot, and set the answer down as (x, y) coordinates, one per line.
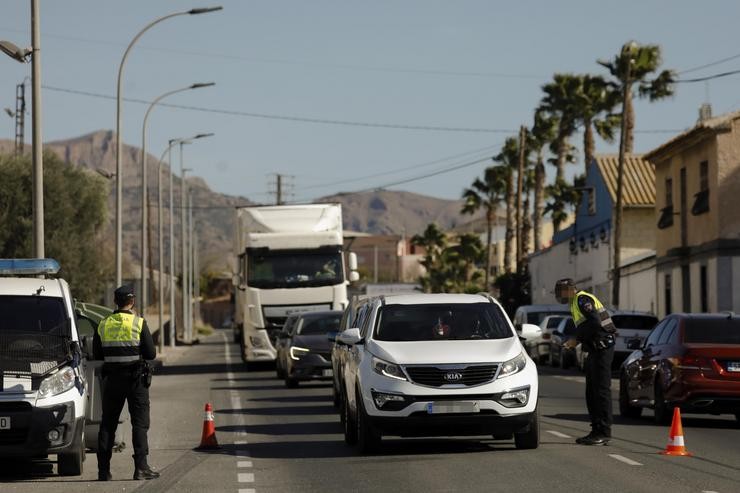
(208, 438)
(675, 438)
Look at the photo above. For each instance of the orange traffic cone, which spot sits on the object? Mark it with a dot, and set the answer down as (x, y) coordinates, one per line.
(208, 438)
(675, 438)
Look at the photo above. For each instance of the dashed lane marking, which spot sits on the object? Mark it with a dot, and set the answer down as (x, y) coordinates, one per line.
(558, 434)
(624, 459)
(244, 463)
(246, 477)
(247, 490)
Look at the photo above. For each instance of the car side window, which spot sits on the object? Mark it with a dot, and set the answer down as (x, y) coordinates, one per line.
(360, 318)
(654, 336)
(668, 331)
(369, 310)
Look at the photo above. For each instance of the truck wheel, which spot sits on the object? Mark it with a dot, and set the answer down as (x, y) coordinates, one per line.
(368, 438)
(626, 409)
(529, 439)
(70, 463)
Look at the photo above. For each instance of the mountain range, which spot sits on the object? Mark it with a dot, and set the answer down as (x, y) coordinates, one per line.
(375, 212)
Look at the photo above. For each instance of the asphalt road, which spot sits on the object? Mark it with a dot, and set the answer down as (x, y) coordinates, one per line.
(275, 439)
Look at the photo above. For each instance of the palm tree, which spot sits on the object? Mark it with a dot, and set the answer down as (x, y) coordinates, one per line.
(643, 62)
(593, 104)
(542, 133)
(508, 158)
(563, 197)
(486, 194)
(529, 182)
(558, 104)
(434, 241)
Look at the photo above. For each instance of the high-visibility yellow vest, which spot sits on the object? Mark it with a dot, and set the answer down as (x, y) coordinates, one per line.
(120, 336)
(579, 318)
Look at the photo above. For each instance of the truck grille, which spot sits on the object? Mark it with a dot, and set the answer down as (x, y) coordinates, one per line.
(469, 375)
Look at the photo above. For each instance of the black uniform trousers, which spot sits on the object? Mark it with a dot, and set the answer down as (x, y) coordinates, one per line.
(119, 386)
(599, 390)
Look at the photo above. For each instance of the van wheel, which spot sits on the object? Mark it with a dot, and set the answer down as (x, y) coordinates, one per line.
(350, 424)
(529, 439)
(626, 409)
(368, 438)
(70, 463)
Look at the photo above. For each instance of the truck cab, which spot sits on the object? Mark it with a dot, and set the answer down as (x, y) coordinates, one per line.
(44, 389)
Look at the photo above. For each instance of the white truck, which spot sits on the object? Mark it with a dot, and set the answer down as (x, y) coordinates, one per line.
(44, 393)
(290, 259)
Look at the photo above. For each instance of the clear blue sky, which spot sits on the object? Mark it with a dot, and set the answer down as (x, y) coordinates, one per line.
(472, 64)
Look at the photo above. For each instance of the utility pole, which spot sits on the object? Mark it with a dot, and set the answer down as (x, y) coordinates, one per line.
(620, 185)
(279, 190)
(20, 117)
(519, 187)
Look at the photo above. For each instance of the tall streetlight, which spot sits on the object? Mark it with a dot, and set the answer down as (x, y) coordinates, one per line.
(119, 180)
(183, 190)
(22, 55)
(144, 189)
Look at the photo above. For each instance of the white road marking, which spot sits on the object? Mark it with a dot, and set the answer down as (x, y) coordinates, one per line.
(240, 442)
(558, 434)
(708, 491)
(244, 463)
(247, 490)
(246, 477)
(624, 459)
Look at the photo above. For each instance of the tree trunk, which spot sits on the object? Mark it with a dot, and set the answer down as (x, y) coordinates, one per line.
(510, 209)
(539, 201)
(589, 147)
(526, 228)
(489, 230)
(561, 159)
(629, 110)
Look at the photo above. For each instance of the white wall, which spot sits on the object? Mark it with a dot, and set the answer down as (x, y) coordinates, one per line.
(637, 287)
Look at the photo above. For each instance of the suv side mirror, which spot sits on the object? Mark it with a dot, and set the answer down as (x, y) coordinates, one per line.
(530, 331)
(350, 337)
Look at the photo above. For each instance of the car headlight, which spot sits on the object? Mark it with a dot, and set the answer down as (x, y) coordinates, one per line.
(58, 383)
(297, 352)
(514, 365)
(386, 369)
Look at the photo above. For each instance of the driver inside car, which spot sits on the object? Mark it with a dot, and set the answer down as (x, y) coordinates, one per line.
(443, 327)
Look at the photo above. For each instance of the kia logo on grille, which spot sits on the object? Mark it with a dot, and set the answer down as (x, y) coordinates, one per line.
(453, 376)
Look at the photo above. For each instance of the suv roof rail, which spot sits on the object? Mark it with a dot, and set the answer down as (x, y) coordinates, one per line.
(486, 295)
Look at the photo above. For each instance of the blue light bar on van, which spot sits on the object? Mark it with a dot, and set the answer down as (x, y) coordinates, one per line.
(28, 266)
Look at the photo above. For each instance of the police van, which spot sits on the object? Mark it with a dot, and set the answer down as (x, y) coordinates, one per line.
(44, 396)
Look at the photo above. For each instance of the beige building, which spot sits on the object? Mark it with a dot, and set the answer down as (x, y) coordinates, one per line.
(697, 214)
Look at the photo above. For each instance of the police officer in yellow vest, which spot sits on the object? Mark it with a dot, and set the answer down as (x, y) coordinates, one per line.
(124, 343)
(595, 331)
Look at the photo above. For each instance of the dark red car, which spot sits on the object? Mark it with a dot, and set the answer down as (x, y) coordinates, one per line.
(688, 360)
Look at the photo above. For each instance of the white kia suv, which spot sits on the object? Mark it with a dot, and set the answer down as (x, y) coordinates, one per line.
(436, 365)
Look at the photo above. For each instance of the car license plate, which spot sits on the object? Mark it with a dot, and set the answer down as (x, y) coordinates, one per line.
(453, 407)
(733, 366)
(4, 422)
(327, 373)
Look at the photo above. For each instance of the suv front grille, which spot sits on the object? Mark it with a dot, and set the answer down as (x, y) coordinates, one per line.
(433, 376)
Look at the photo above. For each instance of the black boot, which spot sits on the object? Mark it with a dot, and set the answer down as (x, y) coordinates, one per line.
(143, 470)
(104, 476)
(596, 439)
(583, 439)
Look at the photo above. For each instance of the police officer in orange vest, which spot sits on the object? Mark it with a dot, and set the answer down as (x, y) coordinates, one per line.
(124, 343)
(595, 331)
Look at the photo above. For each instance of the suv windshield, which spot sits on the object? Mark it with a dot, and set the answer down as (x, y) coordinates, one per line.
(712, 331)
(293, 268)
(459, 321)
(320, 326)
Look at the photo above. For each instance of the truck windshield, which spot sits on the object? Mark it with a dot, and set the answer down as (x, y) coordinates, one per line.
(293, 269)
(430, 322)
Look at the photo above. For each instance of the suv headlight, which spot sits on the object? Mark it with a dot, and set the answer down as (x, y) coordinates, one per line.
(297, 353)
(58, 383)
(514, 365)
(386, 369)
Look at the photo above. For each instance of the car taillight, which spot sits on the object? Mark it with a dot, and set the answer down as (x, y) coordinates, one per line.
(689, 362)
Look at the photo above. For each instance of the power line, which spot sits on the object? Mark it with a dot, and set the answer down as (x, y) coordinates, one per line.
(710, 77)
(302, 119)
(710, 64)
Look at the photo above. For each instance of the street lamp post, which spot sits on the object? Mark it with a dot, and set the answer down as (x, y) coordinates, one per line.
(144, 189)
(119, 177)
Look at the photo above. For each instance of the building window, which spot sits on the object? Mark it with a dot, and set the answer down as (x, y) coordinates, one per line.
(703, 289)
(668, 293)
(701, 199)
(666, 213)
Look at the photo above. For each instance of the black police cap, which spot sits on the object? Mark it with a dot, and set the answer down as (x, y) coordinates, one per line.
(567, 282)
(123, 293)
